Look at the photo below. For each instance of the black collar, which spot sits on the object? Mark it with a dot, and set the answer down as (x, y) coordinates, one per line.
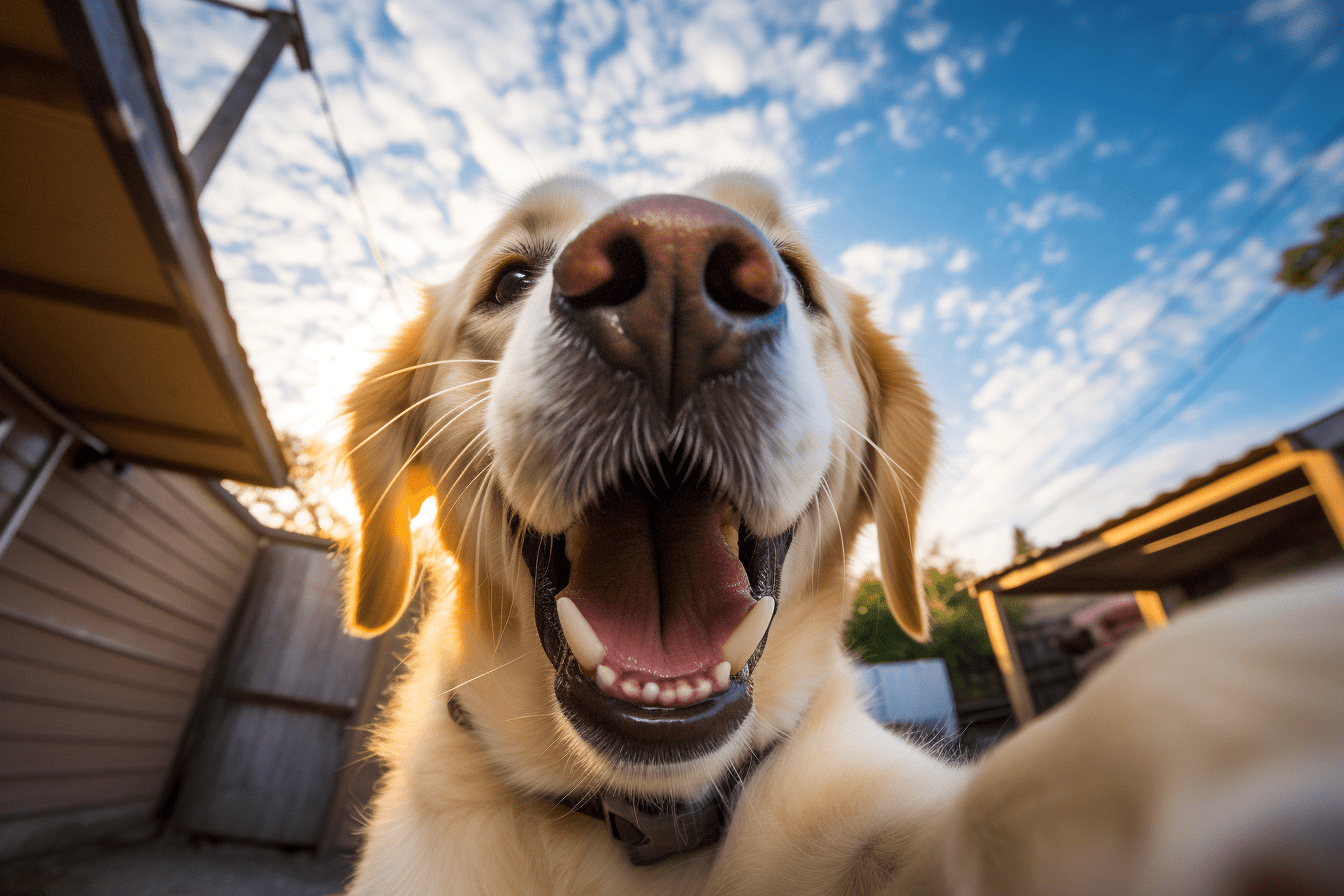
(652, 830)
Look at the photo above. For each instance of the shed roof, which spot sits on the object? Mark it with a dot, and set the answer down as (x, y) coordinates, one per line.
(1270, 497)
(113, 311)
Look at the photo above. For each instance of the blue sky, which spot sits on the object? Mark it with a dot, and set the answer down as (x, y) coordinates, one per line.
(1064, 209)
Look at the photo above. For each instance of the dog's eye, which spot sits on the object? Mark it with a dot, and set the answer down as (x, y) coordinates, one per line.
(511, 284)
(804, 286)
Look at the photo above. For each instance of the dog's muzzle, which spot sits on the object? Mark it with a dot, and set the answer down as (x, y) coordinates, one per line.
(654, 608)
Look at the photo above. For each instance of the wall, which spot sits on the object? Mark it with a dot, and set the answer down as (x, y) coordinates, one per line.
(115, 593)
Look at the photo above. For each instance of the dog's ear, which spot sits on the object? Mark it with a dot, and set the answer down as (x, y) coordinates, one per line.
(902, 428)
(389, 487)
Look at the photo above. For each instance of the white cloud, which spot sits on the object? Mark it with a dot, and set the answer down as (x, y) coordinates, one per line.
(961, 260)
(923, 40)
(1294, 22)
(952, 302)
(899, 123)
(946, 71)
(1007, 167)
(852, 133)
(862, 15)
(1049, 207)
(879, 270)
(1231, 193)
(1053, 253)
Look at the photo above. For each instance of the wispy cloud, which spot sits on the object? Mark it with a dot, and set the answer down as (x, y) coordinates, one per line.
(927, 38)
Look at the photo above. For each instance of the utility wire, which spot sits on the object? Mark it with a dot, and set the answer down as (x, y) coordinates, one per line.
(366, 220)
(1199, 194)
(1211, 366)
(1248, 227)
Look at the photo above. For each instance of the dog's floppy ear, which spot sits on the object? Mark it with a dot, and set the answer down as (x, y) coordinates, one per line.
(388, 486)
(902, 428)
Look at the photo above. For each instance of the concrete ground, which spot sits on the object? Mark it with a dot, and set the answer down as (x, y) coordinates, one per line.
(176, 868)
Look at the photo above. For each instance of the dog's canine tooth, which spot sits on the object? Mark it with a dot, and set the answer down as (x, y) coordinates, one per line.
(721, 673)
(583, 641)
(741, 644)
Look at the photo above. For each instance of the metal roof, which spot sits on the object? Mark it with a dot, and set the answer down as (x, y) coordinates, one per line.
(113, 312)
(1273, 498)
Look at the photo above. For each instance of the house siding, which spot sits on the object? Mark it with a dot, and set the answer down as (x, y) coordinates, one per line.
(114, 595)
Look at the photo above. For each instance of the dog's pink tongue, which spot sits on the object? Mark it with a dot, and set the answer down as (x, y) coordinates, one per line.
(658, 585)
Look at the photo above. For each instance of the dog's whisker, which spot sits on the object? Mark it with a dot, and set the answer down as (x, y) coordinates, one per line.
(883, 454)
(461, 684)
(419, 449)
(408, 410)
(402, 370)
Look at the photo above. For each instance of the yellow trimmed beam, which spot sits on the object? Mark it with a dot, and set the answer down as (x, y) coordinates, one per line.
(1324, 476)
(1231, 519)
(1150, 607)
(1005, 652)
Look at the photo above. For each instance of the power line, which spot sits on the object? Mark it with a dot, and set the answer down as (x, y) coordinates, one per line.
(1248, 227)
(365, 219)
(1199, 193)
(1213, 364)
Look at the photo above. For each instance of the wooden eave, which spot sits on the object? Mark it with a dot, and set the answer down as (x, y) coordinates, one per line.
(112, 309)
(1287, 492)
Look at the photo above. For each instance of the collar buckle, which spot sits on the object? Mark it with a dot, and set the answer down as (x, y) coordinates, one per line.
(651, 834)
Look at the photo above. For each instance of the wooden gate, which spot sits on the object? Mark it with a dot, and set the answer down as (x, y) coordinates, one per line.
(266, 763)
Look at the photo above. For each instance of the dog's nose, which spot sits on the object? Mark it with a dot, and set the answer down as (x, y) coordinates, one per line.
(675, 289)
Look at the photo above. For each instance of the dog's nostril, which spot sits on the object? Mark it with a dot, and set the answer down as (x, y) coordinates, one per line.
(603, 278)
(742, 279)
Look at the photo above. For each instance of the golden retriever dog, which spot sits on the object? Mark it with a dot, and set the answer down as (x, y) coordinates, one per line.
(653, 428)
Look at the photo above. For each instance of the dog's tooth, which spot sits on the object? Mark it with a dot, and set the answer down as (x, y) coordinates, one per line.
(684, 690)
(667, 696)
(703, 687)
(605, 675)
(741, 644)
(721, 673)
(583, 641)
(630, 689)
(729, 535)
(650, 693)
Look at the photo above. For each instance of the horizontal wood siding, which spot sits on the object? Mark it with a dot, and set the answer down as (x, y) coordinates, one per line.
(268, 763)
(114, 595)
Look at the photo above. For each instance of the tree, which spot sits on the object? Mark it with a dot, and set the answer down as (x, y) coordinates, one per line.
(1022, 545)
(306, 505)
(958, 636)
(1309, 265)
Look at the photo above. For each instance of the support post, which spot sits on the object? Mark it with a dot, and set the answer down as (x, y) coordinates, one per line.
(1150, 607)
(1005, 651)
(1328, 484)
(32, 489)
(283, 30)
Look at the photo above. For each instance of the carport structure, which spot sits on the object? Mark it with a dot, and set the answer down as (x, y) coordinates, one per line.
(1278, 506)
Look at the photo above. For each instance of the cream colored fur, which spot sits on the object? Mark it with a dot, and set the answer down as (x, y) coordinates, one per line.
(1075, 804)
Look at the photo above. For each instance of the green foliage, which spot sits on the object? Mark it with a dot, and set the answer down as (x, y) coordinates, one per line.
(1311, 264)
(958, 636)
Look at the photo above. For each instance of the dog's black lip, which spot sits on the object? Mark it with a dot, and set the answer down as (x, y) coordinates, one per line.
(634, 732)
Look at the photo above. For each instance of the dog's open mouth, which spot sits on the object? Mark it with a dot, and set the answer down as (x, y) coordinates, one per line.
(654, 610)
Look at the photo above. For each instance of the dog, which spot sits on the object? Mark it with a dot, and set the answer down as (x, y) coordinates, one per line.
(653, 428)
